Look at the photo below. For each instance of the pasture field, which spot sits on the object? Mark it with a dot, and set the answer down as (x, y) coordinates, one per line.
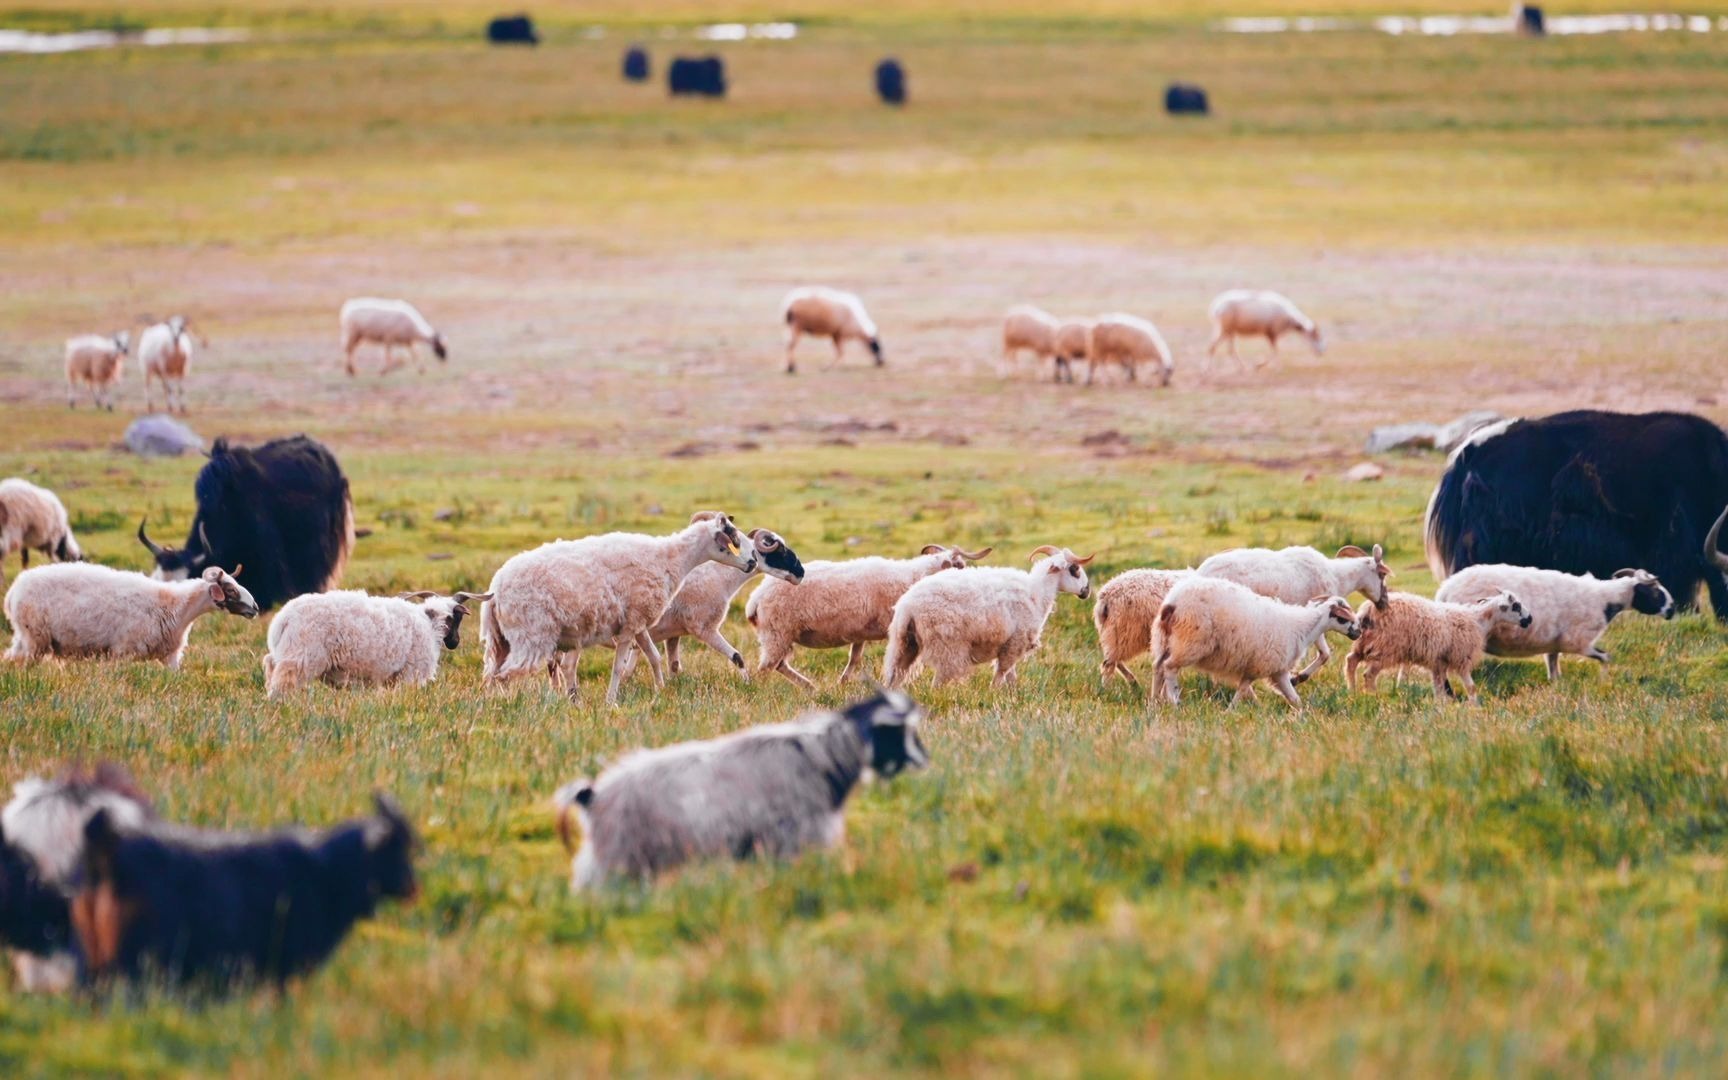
(1078, 885)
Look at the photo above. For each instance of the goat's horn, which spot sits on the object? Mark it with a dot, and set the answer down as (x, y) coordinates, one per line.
(974, 556)
(419, 594)
(1087, 559)
(144, 538)
(1350, 551)
(1711, 552)
(1042, 549)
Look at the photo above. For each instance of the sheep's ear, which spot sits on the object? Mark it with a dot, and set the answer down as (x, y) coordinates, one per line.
(705, 515)
(1379, 553)
(1321, 599)
(464, 597)
(1351, 551)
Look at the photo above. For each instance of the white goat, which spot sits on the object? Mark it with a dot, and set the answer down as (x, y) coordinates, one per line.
(347, 638)
(165, 352)
(954, 620)
(823, 312)
(86, 610)
(1571, 612)
(1446, 639)
(1126, 617)
(839, 604)
(1296, 575)
(388, 323)
(99, 363)
(1130, 341)
(1238, 636)
(1259, 313)
(609, 589)
(1029, 329)
(33, 518)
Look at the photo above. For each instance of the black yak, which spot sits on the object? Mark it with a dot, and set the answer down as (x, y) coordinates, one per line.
(1588, 492)
(891, 82)
(279, 513)
(512, 30)
(636, 65)
(703, 76)
(1185, 98)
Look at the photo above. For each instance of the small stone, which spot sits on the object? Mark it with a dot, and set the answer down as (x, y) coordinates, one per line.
(1400, 436)
(1364, 472)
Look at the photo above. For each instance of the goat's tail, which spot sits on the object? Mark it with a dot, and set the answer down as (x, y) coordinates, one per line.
(573, 800)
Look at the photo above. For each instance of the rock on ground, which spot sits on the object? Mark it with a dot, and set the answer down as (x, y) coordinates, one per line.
(160, 435)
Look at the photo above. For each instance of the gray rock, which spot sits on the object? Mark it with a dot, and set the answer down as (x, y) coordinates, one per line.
(160, 435)
(1399, 436)
(1450, 435)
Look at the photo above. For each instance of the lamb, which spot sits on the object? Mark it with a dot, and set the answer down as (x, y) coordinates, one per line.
(1571, 611)
(1259, 313)
(344, 638)
(839, 603)
(1297, 574)
(1236, 635)
(773, 790)
(1446, 639)
(79, 610)
(1030, 329)
(830, 313)
(952, 621)
(33, 518)
(1129, 341)
(388, 323)
(165, 351)
(1126, 616)
(570, 594)
(98, 362)
(1072, 346)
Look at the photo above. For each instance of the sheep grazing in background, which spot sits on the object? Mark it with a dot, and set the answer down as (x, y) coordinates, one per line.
(99, 363)
(1126, 616)
(33, 519)
(348, 638)
(389, 323)
(953, 621)
(608, 589)
(218, 909)
(839, 604)
(1570, 612)
(823, 312)
(40, 858)
(1073, 345)
(1297, 574)
(774, 791)
(1445, 639)
(1258, 313)
(1239, 637)
(1130, 341)
(82, 610)
(165, 353)
(1027, 329)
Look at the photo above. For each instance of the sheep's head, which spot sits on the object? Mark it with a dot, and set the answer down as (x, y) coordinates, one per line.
(1070, 567)
(955, 558)
(175, 564)
(726, 544)
(446, 612)
(1316, 340)
(438, 348)
(228, 594)
(887, 724)
(1510, 611)
(778, 560)
(123, 342)
(1339, 618)
(1649, 597)
(1374, 588)
(67, 549)
(390, 848)
(876, 351)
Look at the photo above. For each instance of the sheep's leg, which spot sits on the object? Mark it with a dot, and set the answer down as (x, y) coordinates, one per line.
(854, 663)
(561, 672)
(1244, 692)
(796, 677)
(1469, 682)
(618, 662)
(1006, 675)
(1442, 689)
(1287, 688)
(673, 664)
(839, 350)
(792, 335)
(652, 652)
(1212, 348)
(390, 361)
(349, 363)
(1322, 654)
(717, 641)
(1271, 339)
(149, 400)
(71, 394)
(1236, 356)
(1553, 666)
(1371, 676)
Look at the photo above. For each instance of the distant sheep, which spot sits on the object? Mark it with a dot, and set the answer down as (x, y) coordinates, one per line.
(1130, 341)
(1296, 575)
(77, 610)
(956, 619)
(97, 362)
(165, 352)
(1445, 639)
(1073, 345)
(388, 323)
(1027, 329)
(349, 638)
(33, 519)
(771, 791)
(823, 312)
(1126, 617)
(1571, 612)
(1259, 313)
(1239, 637)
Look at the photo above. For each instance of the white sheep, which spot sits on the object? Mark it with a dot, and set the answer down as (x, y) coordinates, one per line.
(348, 638)
(839, 604)
(388, 323)
(823, 312)
(1027, 329)
(165, 353)
(1259, 313)
(33, 518)
(1570, 611)
(608, 589)
(1130, 341)
(78, 610)
(1073, 342)
(1238, 636)
(1296, 575)
(956, 619)
(99, 363)
(1126, 617)
(1445, 639)
(774, 790)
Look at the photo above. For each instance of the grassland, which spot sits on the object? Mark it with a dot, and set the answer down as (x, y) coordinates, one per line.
(1078, 885)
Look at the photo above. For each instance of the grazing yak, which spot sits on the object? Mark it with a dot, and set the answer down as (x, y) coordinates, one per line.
(1588, 492)
(281, 510)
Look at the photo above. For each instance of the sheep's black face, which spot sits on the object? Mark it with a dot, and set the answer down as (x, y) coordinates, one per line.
(1650, 598)
(888, 724)
(778, 560)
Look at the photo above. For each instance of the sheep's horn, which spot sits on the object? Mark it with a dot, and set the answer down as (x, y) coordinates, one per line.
(144, 538)
(464, 597)
(1350, 551)
(1711, 552)
(420, 594)
(1087, 559)
(974, 556)
(1043, 549)
(237, 568)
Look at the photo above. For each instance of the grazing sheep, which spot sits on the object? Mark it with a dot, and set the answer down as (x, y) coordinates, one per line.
(830, 313)
(1259, 313)
(78, 610)
(952, 620)
(99, 363)
(1073, 339)
(33, 518)
(1238, 636)
(388, 323)
(839, 603)
(217, 909)
(1570, 611)
(1027, 329)
(165, 352)
(609, 589)
(1126, 616)
(343, 638)
(1297, 574)
(1130, 341)
(1446, 639)
(773, 790)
